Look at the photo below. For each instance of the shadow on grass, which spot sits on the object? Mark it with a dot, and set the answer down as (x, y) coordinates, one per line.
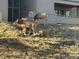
(14, 43)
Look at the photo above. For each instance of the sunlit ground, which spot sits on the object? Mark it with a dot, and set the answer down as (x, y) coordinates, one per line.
(62, 43)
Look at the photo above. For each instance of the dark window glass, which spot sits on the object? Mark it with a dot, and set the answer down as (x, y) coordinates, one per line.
(9, 14)
(77, 11)
(15, 13)
(10, 3)
(15, 3)
(16, 6)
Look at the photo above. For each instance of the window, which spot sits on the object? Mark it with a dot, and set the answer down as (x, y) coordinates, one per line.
(15, 13)
(62, 13)
(77, 11)
(16, 3)
(13, 10)
(10, 3)
(10, 14)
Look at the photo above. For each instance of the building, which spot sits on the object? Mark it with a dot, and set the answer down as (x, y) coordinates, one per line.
(19, 8)
(66, 11)
(60, 11)
(10, 10)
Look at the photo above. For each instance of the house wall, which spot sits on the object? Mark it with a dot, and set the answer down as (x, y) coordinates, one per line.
(59, 19)
(40, 6)
(48, 6)
(68, 2)
(45, 6)
(4, 9)
(75, 0)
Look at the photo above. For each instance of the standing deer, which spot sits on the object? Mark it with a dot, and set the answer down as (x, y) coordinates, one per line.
(41, 16)
(25, 26)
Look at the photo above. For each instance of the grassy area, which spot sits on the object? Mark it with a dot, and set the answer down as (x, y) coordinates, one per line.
(61, 44)
(36, 48)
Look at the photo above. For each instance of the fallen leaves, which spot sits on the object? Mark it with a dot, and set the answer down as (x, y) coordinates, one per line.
(7, 30)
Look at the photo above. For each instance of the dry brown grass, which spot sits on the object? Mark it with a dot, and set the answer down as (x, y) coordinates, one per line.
(13, 46)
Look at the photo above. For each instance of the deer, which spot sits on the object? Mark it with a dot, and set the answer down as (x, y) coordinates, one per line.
(25, 26)
(41, 16)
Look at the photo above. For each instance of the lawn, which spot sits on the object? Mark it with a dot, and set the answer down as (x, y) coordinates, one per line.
(62, 43)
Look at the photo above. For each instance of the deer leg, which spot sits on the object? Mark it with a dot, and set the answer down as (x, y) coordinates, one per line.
(34, 26)
(29, 33)
(24, 31)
